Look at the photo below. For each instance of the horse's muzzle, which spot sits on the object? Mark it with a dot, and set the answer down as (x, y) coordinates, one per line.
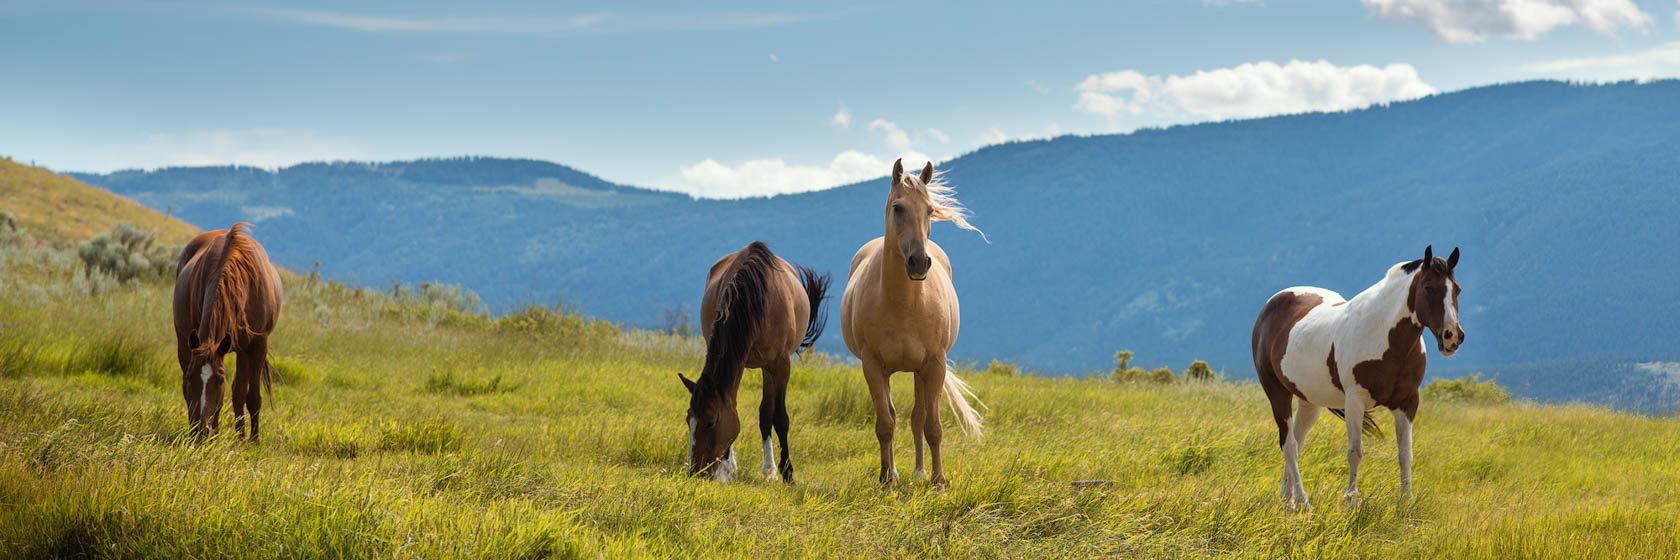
(1450, 341)
(917, 266)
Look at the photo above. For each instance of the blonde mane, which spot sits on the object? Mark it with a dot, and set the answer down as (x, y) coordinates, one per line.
(234, 275)
(942, 197)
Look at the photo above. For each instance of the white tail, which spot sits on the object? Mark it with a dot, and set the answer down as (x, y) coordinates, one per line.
(957, 395)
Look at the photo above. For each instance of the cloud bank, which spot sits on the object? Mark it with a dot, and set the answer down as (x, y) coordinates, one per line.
(1474, 21)
(1254, 89)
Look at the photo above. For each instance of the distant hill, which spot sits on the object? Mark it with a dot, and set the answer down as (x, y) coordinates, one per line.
(1164, 241)
(59, 210)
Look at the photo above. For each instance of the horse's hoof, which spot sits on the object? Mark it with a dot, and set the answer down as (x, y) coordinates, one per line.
(1351, 498)
(919, 474)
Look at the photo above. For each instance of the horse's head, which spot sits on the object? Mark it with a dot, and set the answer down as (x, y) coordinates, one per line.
(910, 215)
(1434, 299)
(712, 428)
(201, 383)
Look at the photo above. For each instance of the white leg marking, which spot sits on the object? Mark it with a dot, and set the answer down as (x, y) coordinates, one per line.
(1305, 415)
(1355, 412)
(1403, 445)
(769, 458)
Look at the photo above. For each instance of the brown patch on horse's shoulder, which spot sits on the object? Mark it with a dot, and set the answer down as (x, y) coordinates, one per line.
(1393, 380)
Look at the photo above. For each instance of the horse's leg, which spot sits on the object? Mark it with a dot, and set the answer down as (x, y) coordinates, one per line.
(880, 391)
(241, 378)
(253, 372)
(1354, 411)
(1306, 414)
(775, 381)
(930, 383)
(1280, 398)
(781, 419)
(184, 356)
(1403, 446)
(918, 421)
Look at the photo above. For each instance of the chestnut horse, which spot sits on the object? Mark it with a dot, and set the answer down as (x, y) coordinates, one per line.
(900, 314)
(227, 299)
(757, 311)
(1353, 355)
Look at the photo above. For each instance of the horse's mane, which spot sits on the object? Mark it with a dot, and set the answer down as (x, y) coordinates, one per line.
(234, 272)
(942, 197)
(740, 308)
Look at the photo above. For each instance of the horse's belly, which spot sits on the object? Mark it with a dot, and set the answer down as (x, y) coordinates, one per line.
(1306, 363)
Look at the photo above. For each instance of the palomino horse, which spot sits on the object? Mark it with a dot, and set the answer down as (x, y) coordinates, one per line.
(900, 314)
(1353, 355)
(227, 298)
(756, 313)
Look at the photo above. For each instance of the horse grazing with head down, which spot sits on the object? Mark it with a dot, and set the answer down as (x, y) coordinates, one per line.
(757, 311)
(900, 314)
(227, 299)
(1320, 350)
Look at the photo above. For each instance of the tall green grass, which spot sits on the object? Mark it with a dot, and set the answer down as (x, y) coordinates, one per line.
(546, 435)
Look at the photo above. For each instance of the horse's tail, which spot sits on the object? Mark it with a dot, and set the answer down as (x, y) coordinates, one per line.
(268, 379)
(740, 309)
(816, 289)
(957, 394)
(1368, 424)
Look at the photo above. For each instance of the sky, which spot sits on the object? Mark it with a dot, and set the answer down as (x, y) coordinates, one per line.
(745, 99)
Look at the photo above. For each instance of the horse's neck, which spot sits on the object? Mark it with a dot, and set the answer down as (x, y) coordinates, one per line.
(896, 285)
(1383, 305)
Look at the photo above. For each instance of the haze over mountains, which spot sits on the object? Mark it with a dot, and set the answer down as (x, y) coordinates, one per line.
(1561, 197)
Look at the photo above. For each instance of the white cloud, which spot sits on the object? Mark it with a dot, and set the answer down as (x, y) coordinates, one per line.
(1472, 21)
(602, 22)
(774, 59)
(1658, 62)
(843, 117)
(259, 147)
(769, 176)
(774, 176)
(938, 135)
(1248, 90)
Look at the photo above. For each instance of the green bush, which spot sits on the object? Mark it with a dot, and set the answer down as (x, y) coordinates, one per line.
(1003, 369)
(10, 233)
(1469, 389)
(1162, 374)
(128, 252)
(1198, 371)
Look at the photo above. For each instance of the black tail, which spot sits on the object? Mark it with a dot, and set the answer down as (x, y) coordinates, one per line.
(1370, 424)
(740, 308)
(816, 288)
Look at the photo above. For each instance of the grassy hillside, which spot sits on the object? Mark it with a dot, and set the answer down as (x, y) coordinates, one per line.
(402, 428)
(58, 210)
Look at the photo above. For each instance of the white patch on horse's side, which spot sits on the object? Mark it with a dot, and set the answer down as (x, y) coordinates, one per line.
(1358, 329)
(203, 387)
(769, 458)
(691, 426)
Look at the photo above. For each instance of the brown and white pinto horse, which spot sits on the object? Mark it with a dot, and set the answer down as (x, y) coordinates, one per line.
(900, 313)
(758, 310)
(227, 299)
(1312, 346)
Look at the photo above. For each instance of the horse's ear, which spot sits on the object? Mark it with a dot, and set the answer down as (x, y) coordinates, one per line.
(1428, 256)
(927, 173)
(225, 346)
(1452, 260)
(898, 171)
(686, 383)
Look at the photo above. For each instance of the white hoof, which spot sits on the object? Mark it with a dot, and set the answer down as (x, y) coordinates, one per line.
(919, 474)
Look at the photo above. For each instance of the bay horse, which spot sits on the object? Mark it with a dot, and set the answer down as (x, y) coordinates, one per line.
(227, 299)
(900, 313)
(757, 311)
(1353, 355)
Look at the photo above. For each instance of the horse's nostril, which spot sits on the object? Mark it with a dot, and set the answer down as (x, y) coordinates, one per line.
(1449, 335)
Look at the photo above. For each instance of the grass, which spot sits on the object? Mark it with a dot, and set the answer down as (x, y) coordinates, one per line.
(59, 211)
(395, 434)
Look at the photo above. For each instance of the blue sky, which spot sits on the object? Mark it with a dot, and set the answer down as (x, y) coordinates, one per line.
(747, 98)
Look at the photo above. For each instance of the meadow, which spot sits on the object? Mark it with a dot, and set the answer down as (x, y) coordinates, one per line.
(410, 425)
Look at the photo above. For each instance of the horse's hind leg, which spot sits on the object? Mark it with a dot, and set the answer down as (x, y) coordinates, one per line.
(880, 392)
(241, 379)
(1306, 414)
(775, 382)
(1280, 398)
(781, 419)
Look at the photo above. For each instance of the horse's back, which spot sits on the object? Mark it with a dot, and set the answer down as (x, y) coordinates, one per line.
(785, 303)
(1292, 342)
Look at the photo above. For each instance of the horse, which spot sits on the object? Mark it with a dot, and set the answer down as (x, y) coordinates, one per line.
(900, 313)
(227, 299)
(757, 311)
(1353, 355)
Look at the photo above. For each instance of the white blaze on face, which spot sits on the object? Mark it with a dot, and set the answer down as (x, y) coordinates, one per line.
(203, 387)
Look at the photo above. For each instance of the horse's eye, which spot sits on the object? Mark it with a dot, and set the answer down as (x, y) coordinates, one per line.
(897, 208)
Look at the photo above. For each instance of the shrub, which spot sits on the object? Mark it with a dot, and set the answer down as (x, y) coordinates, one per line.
(1122, 360)
(127, 252)
(1198, 371)
(1003, 369)
(1162, 374)
(10, 233)
(1130, 375)
(1470, 388)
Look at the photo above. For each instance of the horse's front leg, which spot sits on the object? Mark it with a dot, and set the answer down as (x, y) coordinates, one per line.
(1354, 413)
(930, 385)
(1403, 448)
(880, 391)
(248, 380)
